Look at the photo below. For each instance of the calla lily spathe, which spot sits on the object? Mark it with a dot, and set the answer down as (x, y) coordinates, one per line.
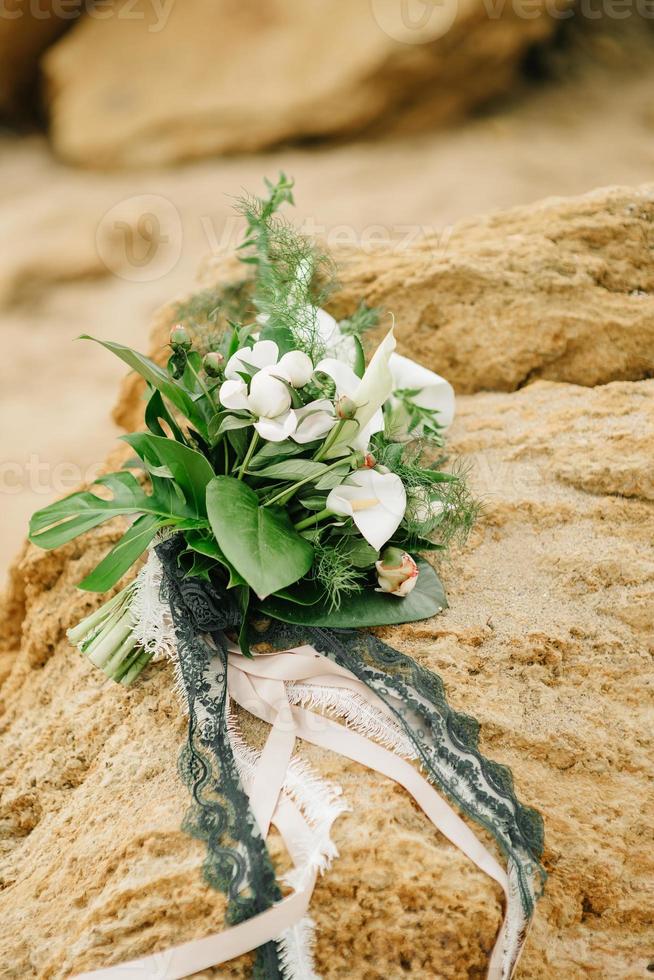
(375, 501)
(368, 394)
(435, 393)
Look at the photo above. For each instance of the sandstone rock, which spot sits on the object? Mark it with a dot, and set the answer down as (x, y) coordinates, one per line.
(26, 30)
(562, 290)
(547, 642)
(220, 76)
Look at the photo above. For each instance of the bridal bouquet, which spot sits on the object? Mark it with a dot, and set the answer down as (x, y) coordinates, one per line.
(286, 488)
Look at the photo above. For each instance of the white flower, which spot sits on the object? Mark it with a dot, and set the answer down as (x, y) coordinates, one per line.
(375, 501)
(397, 572)
(296, 367)
(269, 397)
(314, 421)
(368, 393)
(263, 354)
(234, 394)
(436, 394)
(277, 429)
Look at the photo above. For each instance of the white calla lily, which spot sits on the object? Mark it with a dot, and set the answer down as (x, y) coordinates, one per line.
(269, 397)
(263, 354)
(436, 394)
(368, 393)
(234, 394)
(314, 421)
(376, 502)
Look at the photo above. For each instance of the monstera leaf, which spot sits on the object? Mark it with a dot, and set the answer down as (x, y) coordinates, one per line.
(179, 478)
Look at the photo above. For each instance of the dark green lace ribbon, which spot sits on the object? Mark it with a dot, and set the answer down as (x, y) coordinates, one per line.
(446, 744)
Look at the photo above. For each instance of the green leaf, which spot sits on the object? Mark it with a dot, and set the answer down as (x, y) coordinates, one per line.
(360, 553)
(208, 546)
(334, 478)
(130, 547)
(64, 520)
(156, 412)
(282, 336)
(156, 376)
(260, 542)
(359, 357)
(293, 469)
(274, 451)
(366, 608)
(227, 422)
(190, 470)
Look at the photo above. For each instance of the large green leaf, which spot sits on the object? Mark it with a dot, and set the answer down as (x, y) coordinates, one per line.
(130, 547)
(366, 608)
(66, 519)
(194, 409)
(260, 542)
(190, 470)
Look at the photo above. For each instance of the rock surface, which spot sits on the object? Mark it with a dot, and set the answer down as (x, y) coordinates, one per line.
(219, 76)
(547, 642)
(562, 290)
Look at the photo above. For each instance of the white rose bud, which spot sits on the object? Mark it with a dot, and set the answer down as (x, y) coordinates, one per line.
(296, 367)
(397, 572)
(269, 397)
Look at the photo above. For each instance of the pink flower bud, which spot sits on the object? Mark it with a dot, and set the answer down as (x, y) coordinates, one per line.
(179, 337)
(397, 572)
(213, 364)
(345, 407)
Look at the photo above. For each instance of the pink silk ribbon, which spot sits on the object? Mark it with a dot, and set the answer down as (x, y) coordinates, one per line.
(259, 686)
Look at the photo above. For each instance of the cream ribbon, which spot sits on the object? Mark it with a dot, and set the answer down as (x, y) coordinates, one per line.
(259, 686)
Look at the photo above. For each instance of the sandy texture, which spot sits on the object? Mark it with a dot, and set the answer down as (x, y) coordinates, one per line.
(547, 642)
(224, 76)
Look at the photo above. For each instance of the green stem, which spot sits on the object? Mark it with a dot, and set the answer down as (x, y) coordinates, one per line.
(308, 479)
(249, 454)
(308, 521)
(329, 441)
(203, 386)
